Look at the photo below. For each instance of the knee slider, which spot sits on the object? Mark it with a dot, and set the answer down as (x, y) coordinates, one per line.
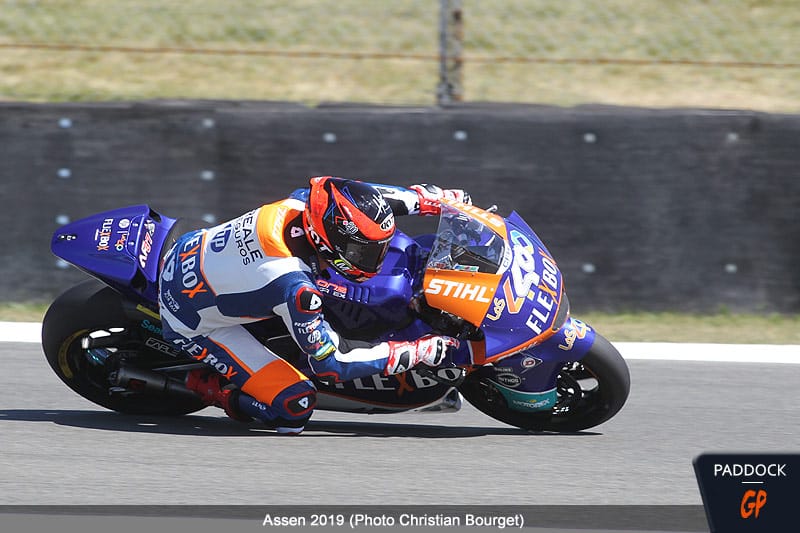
(296, 402)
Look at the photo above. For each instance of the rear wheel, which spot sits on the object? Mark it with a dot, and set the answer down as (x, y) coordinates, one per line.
(91, 309)
(590, 392)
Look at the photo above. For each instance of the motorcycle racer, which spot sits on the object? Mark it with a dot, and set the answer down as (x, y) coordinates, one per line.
(263, 264)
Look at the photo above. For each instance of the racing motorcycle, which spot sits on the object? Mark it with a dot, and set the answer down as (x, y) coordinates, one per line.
(485, 279)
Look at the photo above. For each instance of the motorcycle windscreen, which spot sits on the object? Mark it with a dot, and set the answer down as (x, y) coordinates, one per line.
(466, 261)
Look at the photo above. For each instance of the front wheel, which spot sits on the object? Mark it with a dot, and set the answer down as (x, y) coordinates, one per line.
(590, 392)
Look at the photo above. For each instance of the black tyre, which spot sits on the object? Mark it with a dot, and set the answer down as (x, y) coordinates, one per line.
(91, 307)
(590, 392)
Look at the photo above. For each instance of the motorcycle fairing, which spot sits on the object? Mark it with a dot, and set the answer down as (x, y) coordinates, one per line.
(120, 247)
(497, 274)
(527, 379)
(469, 293)
(382, 394)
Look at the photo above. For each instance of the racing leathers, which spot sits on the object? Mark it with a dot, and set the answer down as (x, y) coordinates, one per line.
(261, 265)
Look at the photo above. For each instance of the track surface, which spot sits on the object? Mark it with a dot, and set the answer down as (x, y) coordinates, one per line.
(60, 449)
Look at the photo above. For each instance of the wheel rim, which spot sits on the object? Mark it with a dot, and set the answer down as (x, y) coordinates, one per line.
(578, 390)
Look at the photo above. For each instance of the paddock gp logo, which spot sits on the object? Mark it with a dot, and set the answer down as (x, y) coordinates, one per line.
(748, 493)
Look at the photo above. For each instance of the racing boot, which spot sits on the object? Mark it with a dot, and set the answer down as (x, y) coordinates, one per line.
(429, 350)
(208, 385)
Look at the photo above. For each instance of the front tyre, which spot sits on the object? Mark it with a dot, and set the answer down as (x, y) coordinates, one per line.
(91, 307)
(590, 392)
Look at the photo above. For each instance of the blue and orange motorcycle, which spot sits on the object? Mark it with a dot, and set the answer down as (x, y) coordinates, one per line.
(483, 278)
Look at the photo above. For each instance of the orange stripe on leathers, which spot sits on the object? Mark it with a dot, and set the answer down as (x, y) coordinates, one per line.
(275, 377)
(272, 219)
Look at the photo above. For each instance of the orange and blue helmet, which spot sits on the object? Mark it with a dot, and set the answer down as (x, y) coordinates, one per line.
(350, 224)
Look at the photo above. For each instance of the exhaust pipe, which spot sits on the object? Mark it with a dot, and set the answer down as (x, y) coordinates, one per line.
(131, 379)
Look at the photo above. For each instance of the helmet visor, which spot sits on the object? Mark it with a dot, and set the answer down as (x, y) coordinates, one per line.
(367, 256)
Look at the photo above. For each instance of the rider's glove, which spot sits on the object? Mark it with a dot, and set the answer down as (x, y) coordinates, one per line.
(430, 195)
(429, 350)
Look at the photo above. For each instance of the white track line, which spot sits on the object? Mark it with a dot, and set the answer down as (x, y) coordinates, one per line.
(20, 332)
(667, 351)
(728, 353)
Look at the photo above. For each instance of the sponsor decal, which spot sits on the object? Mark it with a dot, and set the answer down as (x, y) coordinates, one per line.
(523, 277)
(575, 331)
(121, 240)
(102, 235)
(529, 362)
(459, 289)
(220, 238)
(508, 380)
(524, 283)
(319, 244)
(533, 404)
(149, 326)
(499, 306)
(349, 227)
(345, 266)
(170, 301)
(331, 288)
(244, 235)
(187, 260)
(277, 224)
(314, 337)
(388, 223)
(304, 328)
(399, 384)
(546, 302)
(147, 243)
(199, 353)
(122, 234)
(161, 346)
(189, 266)
(528, 401)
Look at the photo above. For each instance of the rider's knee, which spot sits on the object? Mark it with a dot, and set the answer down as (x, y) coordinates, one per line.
(289, 410)
(296, 402)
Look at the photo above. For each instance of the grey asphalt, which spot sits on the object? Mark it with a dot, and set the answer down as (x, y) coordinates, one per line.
(59, 449)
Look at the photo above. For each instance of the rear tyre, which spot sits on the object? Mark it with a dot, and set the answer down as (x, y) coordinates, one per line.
(91, 307)
(590, 392)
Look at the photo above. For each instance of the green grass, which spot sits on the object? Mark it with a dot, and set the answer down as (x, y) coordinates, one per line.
(270, 50)
(722, 328)
(22, 312)
(626, 327)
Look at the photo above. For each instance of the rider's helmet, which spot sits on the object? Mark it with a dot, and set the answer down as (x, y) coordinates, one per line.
(350, 224)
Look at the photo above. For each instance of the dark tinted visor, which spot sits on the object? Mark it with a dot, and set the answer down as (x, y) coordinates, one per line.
(366, 256)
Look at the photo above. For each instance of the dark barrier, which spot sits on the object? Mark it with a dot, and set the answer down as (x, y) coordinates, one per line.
(688, 210)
